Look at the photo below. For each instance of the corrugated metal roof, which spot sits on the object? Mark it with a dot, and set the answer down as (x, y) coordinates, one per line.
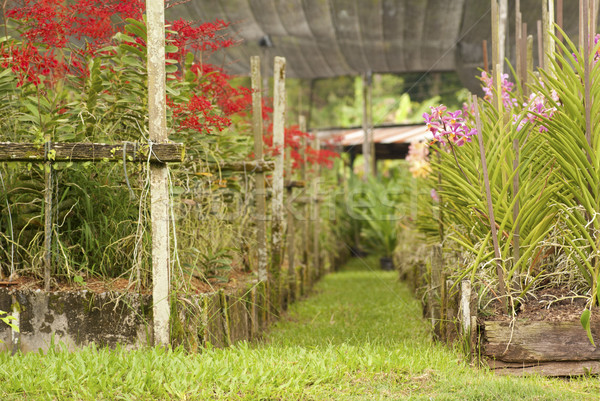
(383, 135)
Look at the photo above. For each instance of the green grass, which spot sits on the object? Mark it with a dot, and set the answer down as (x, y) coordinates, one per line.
(360, 337)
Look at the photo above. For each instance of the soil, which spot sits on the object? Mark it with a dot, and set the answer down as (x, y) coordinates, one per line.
(549, 304)
(234, 280)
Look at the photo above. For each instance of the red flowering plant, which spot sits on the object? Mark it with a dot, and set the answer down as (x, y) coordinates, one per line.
(293, 140)
(76, 71)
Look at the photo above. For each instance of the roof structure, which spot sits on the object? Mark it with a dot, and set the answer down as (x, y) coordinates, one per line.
(327, 38)
(391, 142)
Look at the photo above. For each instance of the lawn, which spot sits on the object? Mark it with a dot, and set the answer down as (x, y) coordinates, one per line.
(360, 336)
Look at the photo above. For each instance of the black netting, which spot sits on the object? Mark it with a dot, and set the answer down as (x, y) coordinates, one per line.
(325, 38)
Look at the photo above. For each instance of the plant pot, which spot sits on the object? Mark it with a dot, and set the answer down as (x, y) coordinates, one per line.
(386, 263)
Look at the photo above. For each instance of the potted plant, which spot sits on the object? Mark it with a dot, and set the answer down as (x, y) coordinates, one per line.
(379, 212)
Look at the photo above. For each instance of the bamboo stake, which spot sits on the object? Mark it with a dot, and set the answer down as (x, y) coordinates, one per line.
(257, 127)
(159, 187)
(488, 193)
(277, 201)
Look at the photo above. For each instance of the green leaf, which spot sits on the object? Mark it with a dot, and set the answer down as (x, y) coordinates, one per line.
(585, 322)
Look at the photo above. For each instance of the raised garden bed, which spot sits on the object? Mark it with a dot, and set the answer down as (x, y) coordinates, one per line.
(106, 314)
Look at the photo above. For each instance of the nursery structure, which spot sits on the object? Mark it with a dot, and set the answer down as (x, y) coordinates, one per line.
(140, 186)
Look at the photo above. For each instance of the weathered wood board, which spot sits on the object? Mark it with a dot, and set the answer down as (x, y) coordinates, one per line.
(63, 152)
(551, 348)
(571, 368)
(540, 341)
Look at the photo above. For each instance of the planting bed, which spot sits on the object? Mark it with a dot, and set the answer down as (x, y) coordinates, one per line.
(106, 314)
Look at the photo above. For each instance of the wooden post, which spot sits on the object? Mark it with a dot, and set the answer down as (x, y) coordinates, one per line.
(366, 146)
(524, 61)
(518, 39)
(291, 245)
(502, 32)
(257, 127)
(436, 288)
(316, 213)
(559, 19)
(495, 37)
(548, 16)
(370, 128)
(277, 200)
(540, 33)
(468, 316)
(587, 99)
(465, 307)
(486, 63)
(159, 189)
(305, 207)
(48, 195)
(529, 53)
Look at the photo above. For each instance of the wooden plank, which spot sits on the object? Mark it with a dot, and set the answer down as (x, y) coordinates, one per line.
(294, 184)
(257, 127)
(253, 166)
(159, 180)
(556, 369)
(539, 341)
(81, 152)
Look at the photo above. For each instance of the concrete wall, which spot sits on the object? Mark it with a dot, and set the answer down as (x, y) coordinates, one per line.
(75, 319)
(81, 318)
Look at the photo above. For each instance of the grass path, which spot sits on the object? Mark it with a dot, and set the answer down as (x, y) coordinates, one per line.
(360, 337)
